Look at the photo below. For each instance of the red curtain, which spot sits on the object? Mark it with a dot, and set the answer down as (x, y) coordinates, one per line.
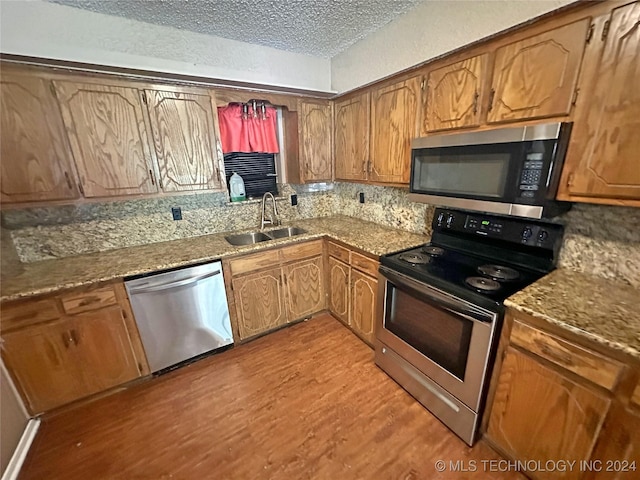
(248, 133)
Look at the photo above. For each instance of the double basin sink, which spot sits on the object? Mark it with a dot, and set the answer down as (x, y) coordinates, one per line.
(256, 237)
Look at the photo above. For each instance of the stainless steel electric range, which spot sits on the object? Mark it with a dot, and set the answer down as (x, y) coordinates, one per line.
(443, 306)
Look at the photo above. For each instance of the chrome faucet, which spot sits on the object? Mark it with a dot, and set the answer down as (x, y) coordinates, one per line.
(274, 220)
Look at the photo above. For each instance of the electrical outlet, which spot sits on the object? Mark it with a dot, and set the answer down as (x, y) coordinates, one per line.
(294, 200)
(361, 197)
(177, 213)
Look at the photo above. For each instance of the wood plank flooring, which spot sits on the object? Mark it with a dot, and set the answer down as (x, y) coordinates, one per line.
(306, 402)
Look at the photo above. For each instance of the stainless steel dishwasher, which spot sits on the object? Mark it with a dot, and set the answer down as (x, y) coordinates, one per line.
(181, 313)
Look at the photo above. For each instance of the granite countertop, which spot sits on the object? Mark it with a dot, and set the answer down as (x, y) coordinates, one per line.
(53, 275)
(598, 309)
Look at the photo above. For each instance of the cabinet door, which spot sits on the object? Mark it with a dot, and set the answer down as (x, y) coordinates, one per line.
(536, 77)
(339, 289)
(259, 301)
(363, 304)
(538, 414)
(602, 160)
(36, 159)
(184, 139)
(394, 122)
(618, 449)
(304, 285)
(352, 138)
(454, 95)
(108, 137)
(103, 349)
(42, 362)
(315, 142)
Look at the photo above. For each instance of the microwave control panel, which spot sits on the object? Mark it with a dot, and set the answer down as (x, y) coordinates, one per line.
(531, 175)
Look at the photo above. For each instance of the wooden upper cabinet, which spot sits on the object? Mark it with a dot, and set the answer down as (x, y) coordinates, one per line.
(454, 95)
(315, 141)
(394, 122)
(352, 137)
(109, 139)
(603, 159)
(36, 161)
(536, 77)
(184, 138)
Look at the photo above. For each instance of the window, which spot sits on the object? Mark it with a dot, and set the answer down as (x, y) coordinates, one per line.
(258, 171)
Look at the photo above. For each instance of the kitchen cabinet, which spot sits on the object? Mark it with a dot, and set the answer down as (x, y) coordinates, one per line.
(394, 123)
(353, 290)
(339, 289)
(540, 414)
(37, 163)
(66, 347)
(553, 398)
(536, 77)
(182, 126)
(109, 138)
(602, 159)
(259, 300)
(454, 95)
(315, 128)
(304, 287)
(271, 288)
(352, 137)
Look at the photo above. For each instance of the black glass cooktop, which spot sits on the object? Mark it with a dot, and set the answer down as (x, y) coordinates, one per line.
(471, 277)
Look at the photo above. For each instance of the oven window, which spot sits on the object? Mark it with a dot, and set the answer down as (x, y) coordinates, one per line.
(441, 336)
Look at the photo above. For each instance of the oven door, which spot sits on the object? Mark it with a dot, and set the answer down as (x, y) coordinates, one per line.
(446, 338)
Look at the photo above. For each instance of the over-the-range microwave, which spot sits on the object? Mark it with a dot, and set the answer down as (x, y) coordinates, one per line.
(510, 171)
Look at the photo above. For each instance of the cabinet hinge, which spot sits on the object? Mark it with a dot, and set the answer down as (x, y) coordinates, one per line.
(570, 180)
(592, 27)
(422, 85)
(144, 98)
(605, 29)
(53, 89)
(575, 96)
(81, 188)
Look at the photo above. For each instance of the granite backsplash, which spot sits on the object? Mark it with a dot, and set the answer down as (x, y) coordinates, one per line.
(601, 240)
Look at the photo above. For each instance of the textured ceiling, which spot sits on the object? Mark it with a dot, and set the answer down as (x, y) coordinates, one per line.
(322, 28)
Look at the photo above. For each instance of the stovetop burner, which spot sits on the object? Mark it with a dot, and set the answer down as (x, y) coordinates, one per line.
(414, 258)
(433, 251)
(482, 284)
(499, 272)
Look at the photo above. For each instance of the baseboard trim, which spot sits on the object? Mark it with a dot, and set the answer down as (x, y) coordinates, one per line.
(20, 453)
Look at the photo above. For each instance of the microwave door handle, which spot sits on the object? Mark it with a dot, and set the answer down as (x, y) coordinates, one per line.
(441, 299)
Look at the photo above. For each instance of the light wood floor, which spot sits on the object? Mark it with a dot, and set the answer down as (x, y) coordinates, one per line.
(304, 402)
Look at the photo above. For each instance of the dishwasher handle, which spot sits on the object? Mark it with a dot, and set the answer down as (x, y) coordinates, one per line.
(170, 285)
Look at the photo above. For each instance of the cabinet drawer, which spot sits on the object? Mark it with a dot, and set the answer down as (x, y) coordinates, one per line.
(339, 252)
(364, 264)
(255, 261)
(302, 250)
(95, 299)
(20, 314)
(585, 363)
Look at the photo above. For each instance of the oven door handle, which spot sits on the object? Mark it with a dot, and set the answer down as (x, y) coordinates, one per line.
(443, 300)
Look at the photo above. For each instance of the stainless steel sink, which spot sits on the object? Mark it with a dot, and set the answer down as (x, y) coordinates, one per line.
(286, 232)
(247, 238)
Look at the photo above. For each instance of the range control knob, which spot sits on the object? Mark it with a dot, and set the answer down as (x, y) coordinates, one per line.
(543, 235)
(526, 233)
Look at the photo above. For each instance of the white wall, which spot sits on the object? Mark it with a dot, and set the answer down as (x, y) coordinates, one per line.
(13, 418)
(431, 29)
(42, 29)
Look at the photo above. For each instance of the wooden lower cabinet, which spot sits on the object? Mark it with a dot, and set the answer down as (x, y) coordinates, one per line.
(353, 290)
(72, 356)
(339, 293)
(259, 299)
(271, 288)
(363, 304)
(304, 286)
(539, 414)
